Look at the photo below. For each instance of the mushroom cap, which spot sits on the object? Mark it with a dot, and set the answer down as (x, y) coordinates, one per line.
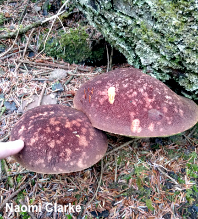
(129, 102)
(58, 139)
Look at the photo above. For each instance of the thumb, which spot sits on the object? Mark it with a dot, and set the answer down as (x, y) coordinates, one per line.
(10, 148)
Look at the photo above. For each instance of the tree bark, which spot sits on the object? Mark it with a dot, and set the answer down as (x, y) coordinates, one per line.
(159, 37)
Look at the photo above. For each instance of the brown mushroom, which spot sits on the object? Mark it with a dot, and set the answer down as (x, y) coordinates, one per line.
(58, 139)
(129, 102)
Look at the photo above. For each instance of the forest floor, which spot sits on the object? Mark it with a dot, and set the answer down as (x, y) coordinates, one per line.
(137, 178)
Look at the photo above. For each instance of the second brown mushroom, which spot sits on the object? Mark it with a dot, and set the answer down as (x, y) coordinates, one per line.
(131, 103)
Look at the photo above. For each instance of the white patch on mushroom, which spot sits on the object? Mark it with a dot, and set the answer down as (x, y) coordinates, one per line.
(39, 161)
(164, 109)
(51, 144)
(83, 141)
(111, 95)
(47, 129)
(80, 161)
(30, 127)
(49, 157)
(57, 128)
(21, 130)
(58, 141)
(62, 154)
(169, 120)
(168, 97)
(181, 112)
(135, 126)
(141, 90)
(32, 141)
(69, 152)
(151, 127)
(134, 94)
(147, 99)
(103, 96)
(99, 156)
(53, 121)
(84, 130)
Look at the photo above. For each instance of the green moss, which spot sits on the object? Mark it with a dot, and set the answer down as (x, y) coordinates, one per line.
(190, 82)
(149, 204)
(73, 47)
(2, 18)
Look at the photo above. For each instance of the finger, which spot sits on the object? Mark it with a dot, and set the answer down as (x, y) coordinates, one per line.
(10, 148)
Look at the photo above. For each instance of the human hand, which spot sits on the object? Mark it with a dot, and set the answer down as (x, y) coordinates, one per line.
(10, 148)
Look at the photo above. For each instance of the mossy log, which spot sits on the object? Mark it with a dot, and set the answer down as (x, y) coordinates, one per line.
(160, 37)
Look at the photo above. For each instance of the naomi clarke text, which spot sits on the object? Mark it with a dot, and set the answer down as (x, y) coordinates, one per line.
(49, 207)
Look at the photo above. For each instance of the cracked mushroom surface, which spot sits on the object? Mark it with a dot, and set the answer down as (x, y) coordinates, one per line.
(129, 102)
(58, 139)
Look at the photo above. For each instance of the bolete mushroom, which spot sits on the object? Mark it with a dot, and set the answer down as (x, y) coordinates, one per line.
(58, 139)
(129, 102)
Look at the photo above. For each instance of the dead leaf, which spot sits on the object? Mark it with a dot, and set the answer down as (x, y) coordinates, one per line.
(58, 74)
(32, 102)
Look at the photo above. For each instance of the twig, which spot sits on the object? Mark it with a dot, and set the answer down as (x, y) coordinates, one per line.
(4, 53)
(107, 58)
(74, 184)
(41, 79)
(70, 78)
(23, 13)
(12, 54)
(160, 170)
(62, 24)
(14, 174)
(6, 168)
(54, 65)
(111, 58)
(174, 181)
(119, 147)
(17, 67)
(116, 168)
(26, 46)
(21, 30)
(41, 96)
(54, 17)
(29, 27)
(54, 214)
(95, 194)
(5, 137)
(13, 195)
(0, 170)
(192, 131)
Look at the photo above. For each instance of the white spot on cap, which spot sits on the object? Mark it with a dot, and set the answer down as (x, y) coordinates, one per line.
(135, 126)
(111, 94)
(151, 127)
